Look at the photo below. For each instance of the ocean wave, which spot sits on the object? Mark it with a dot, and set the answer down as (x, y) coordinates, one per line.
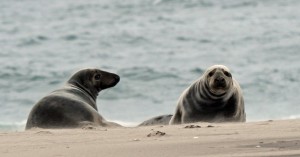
(145, 73)
(70, 37)
(124, 123)
(238, 4)
(198, 71)
(32, 41)
(13, 126)
(292, 117)
(158, 47)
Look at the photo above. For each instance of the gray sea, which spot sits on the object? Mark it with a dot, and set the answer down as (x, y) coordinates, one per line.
(158, 47)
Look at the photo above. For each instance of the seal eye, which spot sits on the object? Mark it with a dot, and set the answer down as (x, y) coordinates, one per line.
(227, 74)
(97, 77)
(211, 74)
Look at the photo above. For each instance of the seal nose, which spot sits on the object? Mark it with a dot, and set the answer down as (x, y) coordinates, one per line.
(117, 78)
(219, 80)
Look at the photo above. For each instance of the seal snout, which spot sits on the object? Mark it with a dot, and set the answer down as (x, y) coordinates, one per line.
(117, 78)
(220, 81)
(111, 81)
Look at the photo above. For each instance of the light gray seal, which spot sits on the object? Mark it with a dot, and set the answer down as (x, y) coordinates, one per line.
(214, 97)
(158, 120)
(74, 105)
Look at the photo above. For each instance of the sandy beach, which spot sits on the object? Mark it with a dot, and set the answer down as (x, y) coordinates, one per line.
(265, 138)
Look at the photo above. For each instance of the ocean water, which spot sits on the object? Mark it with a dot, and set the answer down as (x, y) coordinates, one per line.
(158, 47)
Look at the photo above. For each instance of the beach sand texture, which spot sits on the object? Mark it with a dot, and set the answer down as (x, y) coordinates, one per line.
(265, 138)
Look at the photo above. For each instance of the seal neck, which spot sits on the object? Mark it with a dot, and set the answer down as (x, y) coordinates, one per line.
(83, 89)
(203, 99)
(203, 84)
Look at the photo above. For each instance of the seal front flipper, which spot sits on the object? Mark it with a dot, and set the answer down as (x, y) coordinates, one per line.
(176, 118)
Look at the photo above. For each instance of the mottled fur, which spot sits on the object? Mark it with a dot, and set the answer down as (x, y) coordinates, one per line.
(214, 97)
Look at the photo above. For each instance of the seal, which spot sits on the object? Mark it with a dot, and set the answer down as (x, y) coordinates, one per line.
(158, 120)
(74, 105)
(215, 97)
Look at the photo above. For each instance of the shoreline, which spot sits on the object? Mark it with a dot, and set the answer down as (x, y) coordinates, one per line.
(264, 138)
(20, 126)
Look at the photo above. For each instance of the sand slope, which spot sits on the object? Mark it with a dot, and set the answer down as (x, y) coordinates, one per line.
(268, 138)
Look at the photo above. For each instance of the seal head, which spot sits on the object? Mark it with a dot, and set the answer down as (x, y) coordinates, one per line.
(219, 80)
(92, 81)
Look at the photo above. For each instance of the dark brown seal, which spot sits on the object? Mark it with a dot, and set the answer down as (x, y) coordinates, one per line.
(74, 105)
(214, 97)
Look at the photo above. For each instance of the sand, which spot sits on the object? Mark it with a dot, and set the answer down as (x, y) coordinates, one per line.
(266, 138)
